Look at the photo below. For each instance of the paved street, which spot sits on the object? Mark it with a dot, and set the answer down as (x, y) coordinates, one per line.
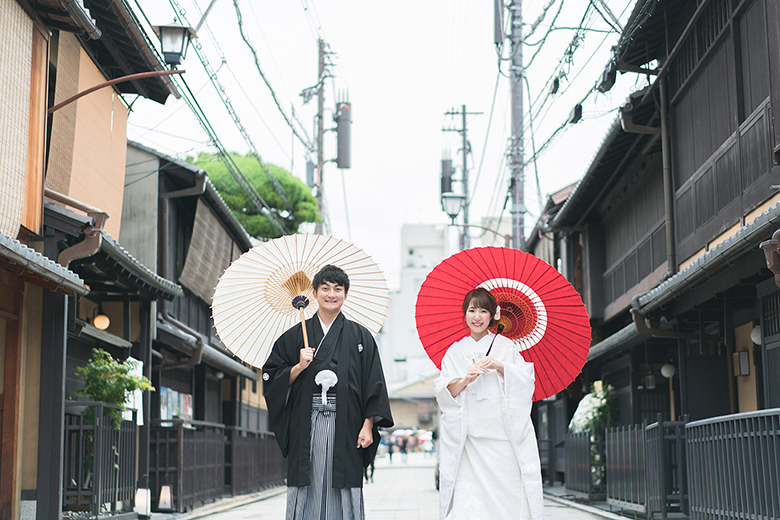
(400, 491)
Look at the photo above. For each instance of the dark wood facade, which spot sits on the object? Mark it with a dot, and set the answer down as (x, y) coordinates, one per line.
(663, 239)
(656, 297)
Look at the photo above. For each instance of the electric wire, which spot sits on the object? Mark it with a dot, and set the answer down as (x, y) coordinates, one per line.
(604, 16)
(535, 111)
(220, 89)
(146, 130)
(261, 205)
(487, 135)
(313, 28)
(533, 144)
(239, 16)
(259, 114)
(540, 18)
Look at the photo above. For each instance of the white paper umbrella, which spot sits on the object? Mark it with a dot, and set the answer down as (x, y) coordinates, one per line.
(253, 301)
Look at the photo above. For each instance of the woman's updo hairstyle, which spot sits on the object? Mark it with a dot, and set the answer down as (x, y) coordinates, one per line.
(481, 298)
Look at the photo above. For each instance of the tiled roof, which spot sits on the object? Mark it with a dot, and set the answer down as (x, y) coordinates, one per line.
(114, 250)
(32, 260)
(741, 243)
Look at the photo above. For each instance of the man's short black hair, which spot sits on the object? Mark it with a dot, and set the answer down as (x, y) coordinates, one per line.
(331, 273)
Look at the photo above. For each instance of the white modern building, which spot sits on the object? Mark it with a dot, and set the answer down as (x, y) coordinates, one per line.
(408, 370)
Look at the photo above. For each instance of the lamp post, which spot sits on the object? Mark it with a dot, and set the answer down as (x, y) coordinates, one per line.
(668, 371)
(452, 203)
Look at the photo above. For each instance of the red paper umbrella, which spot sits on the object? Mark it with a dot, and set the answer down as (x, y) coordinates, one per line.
(540, 311)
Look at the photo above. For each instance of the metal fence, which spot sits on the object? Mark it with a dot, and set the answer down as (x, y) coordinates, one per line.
(203, 461)
(546, 458)
(585, 469)
(253, 461)
(99, 472)
(188, 456)
(734, 466)
(626, 468)
(667, 476)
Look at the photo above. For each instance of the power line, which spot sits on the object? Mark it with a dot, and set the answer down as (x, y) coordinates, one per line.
(610, 22)
(257, 112)
(540, 18)
(533, 144)
(258, 201)
(306, 142)
(221, 92)
(487, 134)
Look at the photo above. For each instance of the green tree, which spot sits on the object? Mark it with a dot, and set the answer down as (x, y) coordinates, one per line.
(302, 202)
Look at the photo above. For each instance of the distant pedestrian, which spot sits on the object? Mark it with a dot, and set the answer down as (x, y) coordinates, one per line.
(368, 472)
(404, 444)
(390, 448)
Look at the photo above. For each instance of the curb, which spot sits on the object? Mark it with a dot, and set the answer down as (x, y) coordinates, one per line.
(225, 504)
(582, 507)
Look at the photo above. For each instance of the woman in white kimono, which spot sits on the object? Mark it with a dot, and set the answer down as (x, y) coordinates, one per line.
(489, 459)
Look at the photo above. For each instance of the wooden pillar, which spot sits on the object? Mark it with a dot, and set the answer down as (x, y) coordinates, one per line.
(11, 303)
(143, 352)
(51, 418)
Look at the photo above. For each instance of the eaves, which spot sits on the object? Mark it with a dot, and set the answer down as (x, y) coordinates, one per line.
(30, 260)
(731, 250)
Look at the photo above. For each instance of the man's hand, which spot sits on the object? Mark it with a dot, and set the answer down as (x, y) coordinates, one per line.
(366, 437)
(304, 360)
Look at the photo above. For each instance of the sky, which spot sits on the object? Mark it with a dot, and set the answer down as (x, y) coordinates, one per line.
(402, 65)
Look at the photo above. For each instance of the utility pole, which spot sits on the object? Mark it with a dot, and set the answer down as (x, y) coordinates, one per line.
(320, 133)
(465, 148)
(516, 186)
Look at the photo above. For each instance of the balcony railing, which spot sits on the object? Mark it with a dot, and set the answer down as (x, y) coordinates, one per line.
(734, 466)
(100, 462)
(203, 461)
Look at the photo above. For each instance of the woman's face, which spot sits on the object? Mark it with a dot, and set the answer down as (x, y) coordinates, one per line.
(478, 320)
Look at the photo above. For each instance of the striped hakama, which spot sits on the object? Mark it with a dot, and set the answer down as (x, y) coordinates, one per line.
(320, 500)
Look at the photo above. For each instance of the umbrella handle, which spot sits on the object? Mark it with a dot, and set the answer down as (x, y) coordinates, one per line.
(303, 324)
(499, 329)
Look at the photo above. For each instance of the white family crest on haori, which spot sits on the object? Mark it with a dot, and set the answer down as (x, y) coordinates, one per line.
(269, 288)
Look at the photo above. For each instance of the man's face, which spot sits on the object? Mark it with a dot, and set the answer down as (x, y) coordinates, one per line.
(330, 297)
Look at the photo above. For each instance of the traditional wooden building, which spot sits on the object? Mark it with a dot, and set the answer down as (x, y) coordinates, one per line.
(666, 231)
(174, 219)
(52, 51)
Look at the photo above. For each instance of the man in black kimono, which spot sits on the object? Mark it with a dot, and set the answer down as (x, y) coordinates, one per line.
(327, 444)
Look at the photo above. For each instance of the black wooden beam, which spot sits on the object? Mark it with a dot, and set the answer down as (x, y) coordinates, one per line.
(51, 413)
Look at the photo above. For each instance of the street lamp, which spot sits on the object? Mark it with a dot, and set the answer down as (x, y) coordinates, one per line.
(451, 203)
(174, 40)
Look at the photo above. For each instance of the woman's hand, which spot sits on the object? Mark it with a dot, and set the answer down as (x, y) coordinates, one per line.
(473, 373)
(488, 363)
(457, 386)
